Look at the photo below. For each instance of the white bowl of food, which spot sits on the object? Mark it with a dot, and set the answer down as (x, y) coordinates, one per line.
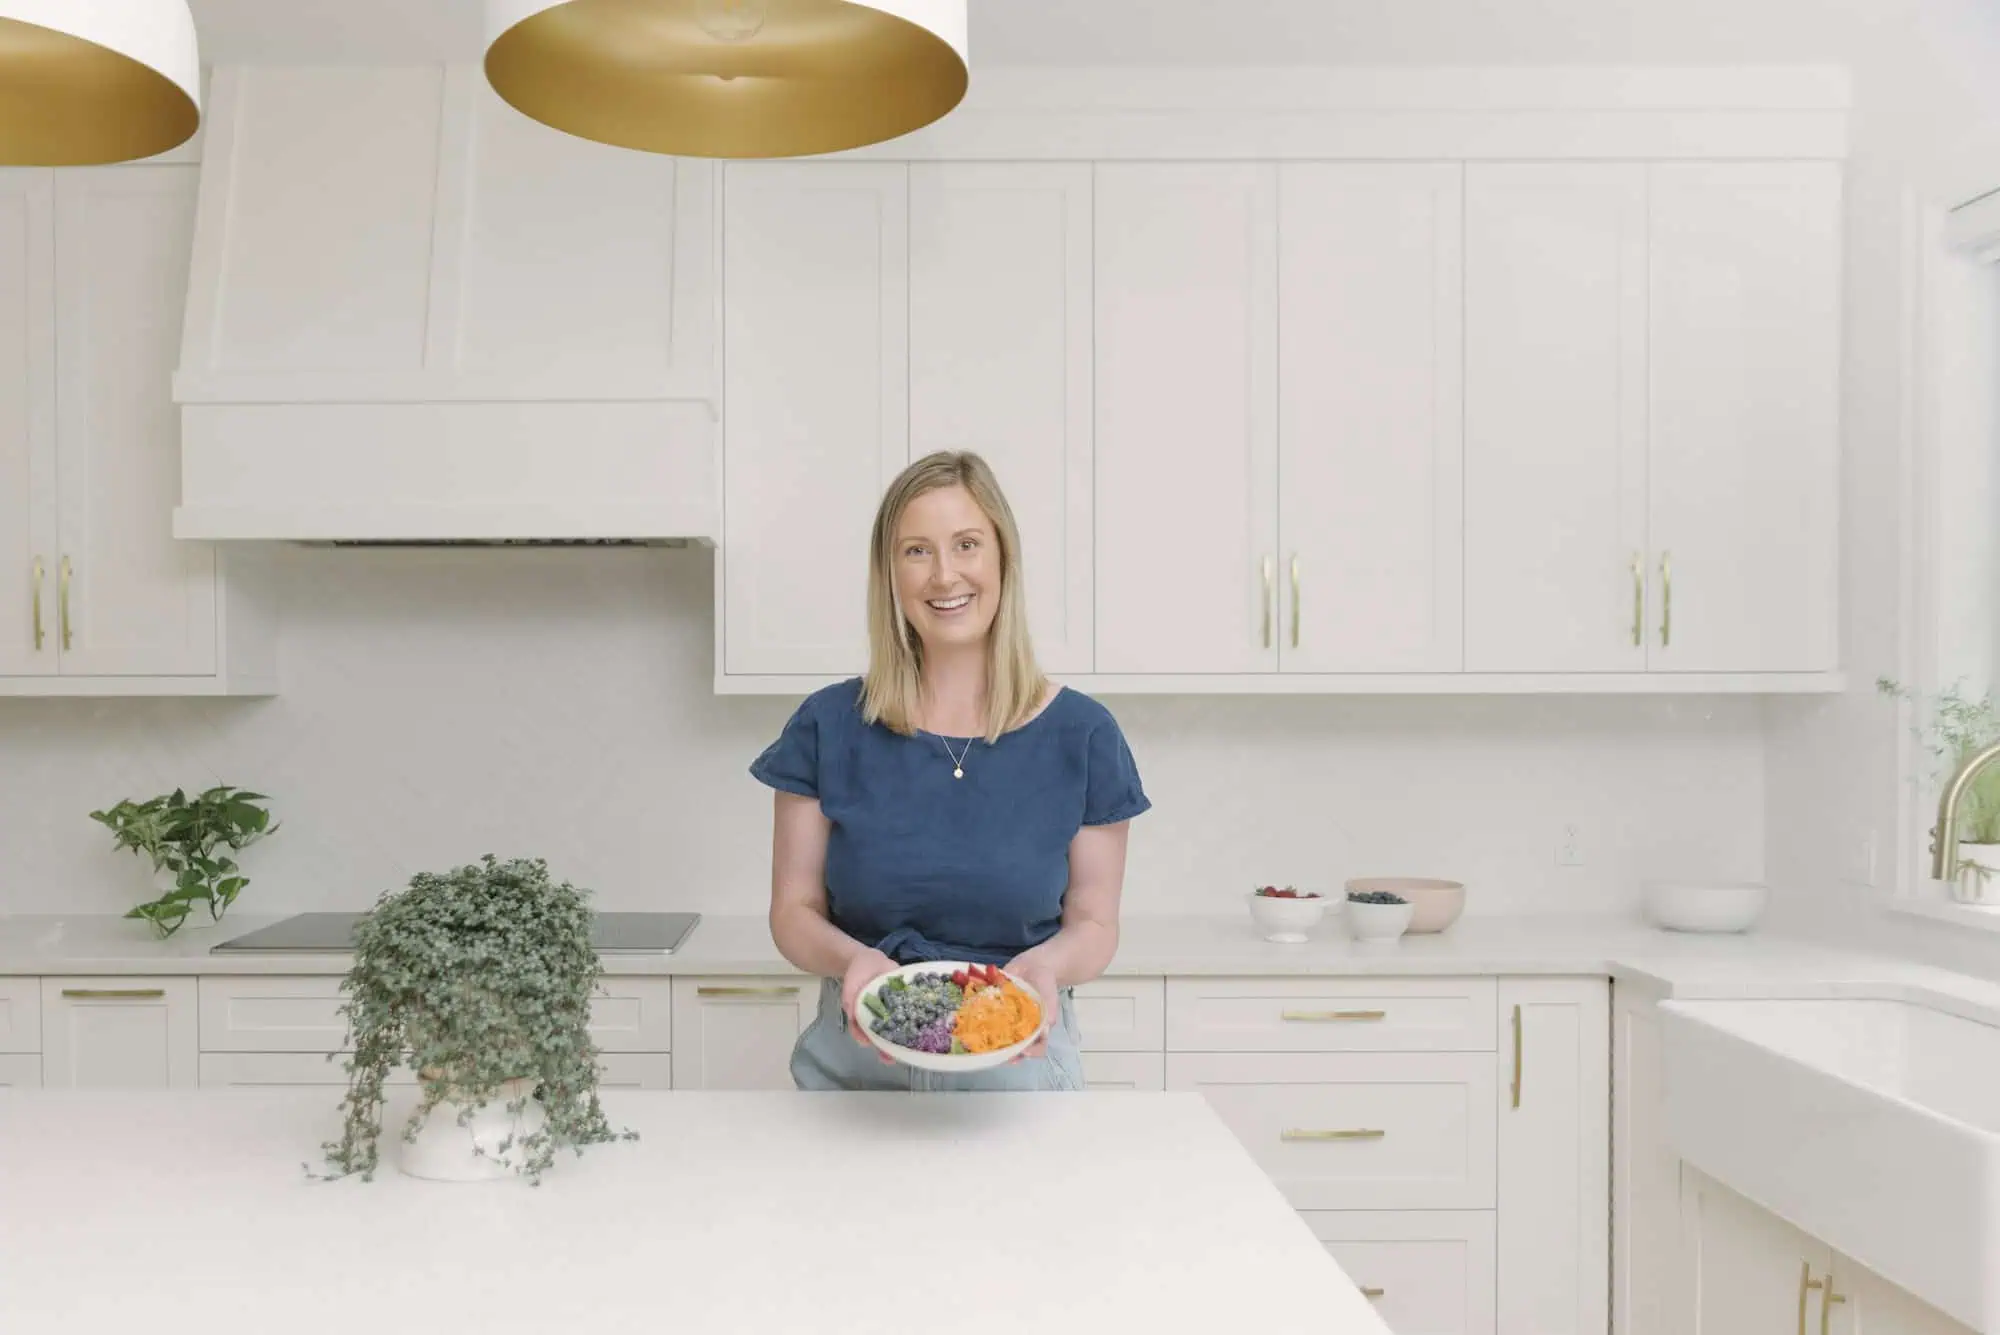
(1286, 914)
(1705, 906)
(1377, 915)
(1434, 904)
(951, 1015)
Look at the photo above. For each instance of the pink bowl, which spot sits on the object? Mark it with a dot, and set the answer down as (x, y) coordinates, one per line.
(1435, 905)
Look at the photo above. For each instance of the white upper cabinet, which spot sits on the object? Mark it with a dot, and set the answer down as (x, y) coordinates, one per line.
(1370, 306)
(816, 405)
(101, 598)
(1555, 415)
(1744, 434)
(1186, 282)
(1001, 363)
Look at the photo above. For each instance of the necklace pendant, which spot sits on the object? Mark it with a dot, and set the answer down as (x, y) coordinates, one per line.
(958, 774)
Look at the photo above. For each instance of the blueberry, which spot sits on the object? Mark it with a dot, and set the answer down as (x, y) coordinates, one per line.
(1374, 897)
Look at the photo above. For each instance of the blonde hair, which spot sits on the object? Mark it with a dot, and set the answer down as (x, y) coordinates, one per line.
(892, 690)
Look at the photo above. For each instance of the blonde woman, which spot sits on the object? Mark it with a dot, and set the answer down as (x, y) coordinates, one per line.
(951, 804)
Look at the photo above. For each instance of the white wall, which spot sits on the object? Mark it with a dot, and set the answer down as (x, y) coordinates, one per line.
(446, 703)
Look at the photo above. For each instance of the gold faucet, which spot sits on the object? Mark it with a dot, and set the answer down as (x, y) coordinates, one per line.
(1944, 836)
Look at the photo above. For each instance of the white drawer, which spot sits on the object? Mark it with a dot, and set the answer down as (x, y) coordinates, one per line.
(1124, 1070)
(1358, 1131)
(301, 1013)
(619, 1070)
(20, 1015)
(1331, 1014)
(1122, 1014)
(20, 1070)
(1428, 1272)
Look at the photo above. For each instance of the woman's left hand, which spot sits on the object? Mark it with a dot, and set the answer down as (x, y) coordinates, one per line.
(1038, 976)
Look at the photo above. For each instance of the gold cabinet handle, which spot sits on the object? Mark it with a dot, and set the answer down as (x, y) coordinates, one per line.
(1806, 1281)
(1357, 1134)
(1666, 599)
(1826, 1302)
(746, 991)
(1371, 1293)
(1517, 1056)
(114, 993)
(1638, 601)
(62, 604)
(39, 637)
(1295, 600)
(1267, 602)
(1316, 1016)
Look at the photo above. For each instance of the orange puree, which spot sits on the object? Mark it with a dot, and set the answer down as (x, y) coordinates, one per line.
(995, 1017)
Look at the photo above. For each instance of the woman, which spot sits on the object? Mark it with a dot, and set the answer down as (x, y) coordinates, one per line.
(952, 803)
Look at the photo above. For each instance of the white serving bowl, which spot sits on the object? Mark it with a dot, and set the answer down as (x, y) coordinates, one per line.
(1434, 904)
(1286, 921)
(945, 1061)
(1705, 906)
(1378, 922)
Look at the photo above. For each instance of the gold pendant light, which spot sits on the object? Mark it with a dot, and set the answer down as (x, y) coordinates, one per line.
(729, 78)
(95, 81)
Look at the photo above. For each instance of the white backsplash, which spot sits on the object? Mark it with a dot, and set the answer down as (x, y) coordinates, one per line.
(441, 704)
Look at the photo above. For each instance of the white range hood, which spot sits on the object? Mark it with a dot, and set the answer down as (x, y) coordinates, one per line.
(415, 315)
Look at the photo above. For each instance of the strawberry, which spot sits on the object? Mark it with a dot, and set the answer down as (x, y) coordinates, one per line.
(961, 977)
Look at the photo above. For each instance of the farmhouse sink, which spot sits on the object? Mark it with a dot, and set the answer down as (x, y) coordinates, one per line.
(1871, 1123)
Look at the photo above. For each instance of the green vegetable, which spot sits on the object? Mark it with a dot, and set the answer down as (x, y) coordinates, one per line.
(896, 983)
(874, 1003)
(958, 1049)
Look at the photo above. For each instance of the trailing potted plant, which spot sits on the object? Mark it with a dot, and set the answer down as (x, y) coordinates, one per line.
(479, 980)
(181, 834)
(1953, 728)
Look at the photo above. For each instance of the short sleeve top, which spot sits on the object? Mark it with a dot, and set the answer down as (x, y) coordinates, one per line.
(922, 865)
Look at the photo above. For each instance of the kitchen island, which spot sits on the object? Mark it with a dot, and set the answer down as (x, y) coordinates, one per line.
(734, 1211)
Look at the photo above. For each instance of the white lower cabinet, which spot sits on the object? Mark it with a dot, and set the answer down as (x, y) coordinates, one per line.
(20, 1070)
(1647, 1297)
(738, 1033)
(616, 1070)
(1124, 1070)
(119, 1033)
(1428, 1272)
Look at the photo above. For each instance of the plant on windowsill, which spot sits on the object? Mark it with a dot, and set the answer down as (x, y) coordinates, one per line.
(1953, 727)
(479, 980)
(181, 835)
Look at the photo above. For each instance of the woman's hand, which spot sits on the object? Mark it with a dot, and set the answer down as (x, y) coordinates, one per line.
(863, 969)
(1043, 979)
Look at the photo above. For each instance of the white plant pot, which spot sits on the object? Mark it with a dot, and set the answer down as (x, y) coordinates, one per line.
(1979, 883)
(487, 1147)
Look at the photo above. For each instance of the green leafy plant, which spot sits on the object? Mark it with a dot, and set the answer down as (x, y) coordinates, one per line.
(181, 835)
(475, 978)
(1953, 727)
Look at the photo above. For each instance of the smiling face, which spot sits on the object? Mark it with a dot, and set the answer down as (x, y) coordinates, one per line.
(947, 567)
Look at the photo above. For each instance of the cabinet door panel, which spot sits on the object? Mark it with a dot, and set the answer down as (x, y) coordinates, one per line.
(119, 1033)
(738, 1033)
(1186, 487)
(1751, 1270)
(816, 391)
(1370, 314)
(27, 423)
(1555, 400)
(1000, 363)
(141, 602)
(1744, 441)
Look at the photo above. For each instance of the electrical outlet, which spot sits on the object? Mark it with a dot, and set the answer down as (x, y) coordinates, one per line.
(1862, 870)
(1569, 853)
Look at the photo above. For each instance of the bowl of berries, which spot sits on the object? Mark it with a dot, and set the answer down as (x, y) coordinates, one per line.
(1285, 914)
(951, 1015)
(1377, 915)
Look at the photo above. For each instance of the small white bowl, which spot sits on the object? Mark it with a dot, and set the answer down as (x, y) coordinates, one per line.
(944, 1061)
(1286, 921)
(1378, 922)
(1705, 906)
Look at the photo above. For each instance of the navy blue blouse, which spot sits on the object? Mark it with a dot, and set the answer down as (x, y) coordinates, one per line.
(925, 866)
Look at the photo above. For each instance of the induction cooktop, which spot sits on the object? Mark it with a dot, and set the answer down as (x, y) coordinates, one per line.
(333, 934)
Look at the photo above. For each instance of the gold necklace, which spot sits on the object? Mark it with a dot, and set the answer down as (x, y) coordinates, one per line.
(957, 761)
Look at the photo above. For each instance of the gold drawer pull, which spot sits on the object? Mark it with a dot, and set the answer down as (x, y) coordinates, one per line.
(115, 993)
(746, 991)
(1360, 1134)
(39, 636)
(1371, 1293)
(1336, 1015)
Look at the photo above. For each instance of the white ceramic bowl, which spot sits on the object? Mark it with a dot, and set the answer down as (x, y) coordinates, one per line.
(1434, 904)
(1705, 906)
(944, 1061)
(1378, 922)
(1286, 921)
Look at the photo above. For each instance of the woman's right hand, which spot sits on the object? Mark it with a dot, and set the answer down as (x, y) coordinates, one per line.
(863, 969)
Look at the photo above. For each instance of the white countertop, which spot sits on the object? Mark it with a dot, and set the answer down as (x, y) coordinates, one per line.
(192, 1210)
(1759, 963)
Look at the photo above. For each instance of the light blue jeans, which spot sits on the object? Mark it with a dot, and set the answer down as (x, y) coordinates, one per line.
(828, 1057)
